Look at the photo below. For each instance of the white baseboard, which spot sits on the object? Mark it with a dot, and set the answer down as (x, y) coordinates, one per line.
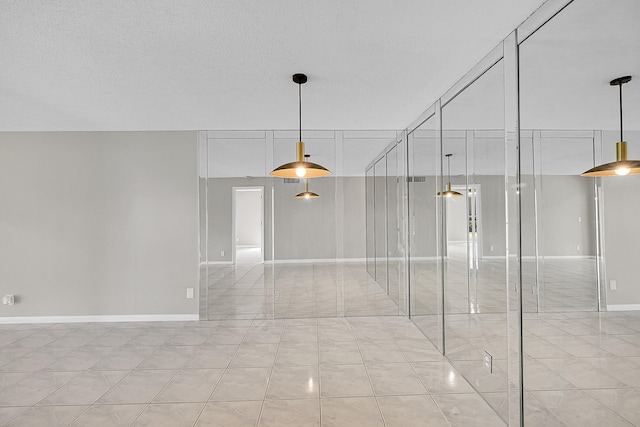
(623, 307)
(101, 318)
(215, 263)
(425, 258)
(315, 261)
(532, 257)
(543, 257)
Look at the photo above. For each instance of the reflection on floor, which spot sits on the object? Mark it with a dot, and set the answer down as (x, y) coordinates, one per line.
(370, 372)
(582, 367)
(248, 255)
(265, 291)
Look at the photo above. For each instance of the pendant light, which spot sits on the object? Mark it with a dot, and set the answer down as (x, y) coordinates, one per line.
(307, 194)
(621, 166)
(300, 168)
(449, 192)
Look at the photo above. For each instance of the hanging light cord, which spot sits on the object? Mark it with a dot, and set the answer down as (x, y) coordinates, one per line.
(300, 110)
(449, 166)
(621, 137)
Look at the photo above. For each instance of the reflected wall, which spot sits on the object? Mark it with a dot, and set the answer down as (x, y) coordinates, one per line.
(386, 216)
(571, 240)
(314, 251)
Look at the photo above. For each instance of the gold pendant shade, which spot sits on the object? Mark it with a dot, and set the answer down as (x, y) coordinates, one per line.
(622, 165)
(307, 194)
(449, 192)
(300, 168)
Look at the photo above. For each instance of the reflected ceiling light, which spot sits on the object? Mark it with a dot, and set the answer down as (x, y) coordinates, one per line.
(307, 194)
(300, 168)
(621, 166)
(449, 192)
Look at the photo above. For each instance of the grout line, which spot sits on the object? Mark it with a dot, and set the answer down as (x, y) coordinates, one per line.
(266, 390)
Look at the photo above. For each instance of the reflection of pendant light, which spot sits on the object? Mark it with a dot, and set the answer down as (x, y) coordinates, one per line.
(449, 192)
(307, 194)
(300, 168)
(621, 166)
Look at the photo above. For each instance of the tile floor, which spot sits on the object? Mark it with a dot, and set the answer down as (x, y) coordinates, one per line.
(369, 371)
(285, 291)
(322, 345)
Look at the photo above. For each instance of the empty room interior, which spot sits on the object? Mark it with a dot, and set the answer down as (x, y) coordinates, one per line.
(320, 213)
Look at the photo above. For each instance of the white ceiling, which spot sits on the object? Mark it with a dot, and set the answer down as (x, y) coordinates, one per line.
(227, 64)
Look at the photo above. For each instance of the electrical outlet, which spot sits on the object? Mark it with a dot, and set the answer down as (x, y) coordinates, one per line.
(578, 248)
(221, 253)
(190, 293)
(8, 300)
(579, 219)
(491, 248)
(487, 362)
(613, 285)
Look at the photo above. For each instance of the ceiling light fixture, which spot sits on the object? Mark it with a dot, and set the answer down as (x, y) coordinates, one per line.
(307, 194)
(300, 168)
(621, 166)
(449, 192)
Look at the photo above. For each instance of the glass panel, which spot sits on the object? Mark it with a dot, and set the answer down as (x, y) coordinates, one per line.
(394, 215)
(474, 238)
(424, 272)
(371, 249)
(238, 287)
(305, 231)
(380, 172)
(571, 113)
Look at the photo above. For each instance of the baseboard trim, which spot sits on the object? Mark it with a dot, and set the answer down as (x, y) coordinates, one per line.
(102, 318)
(215, 263)
(623, 307)
(543, 257)
(315, 261)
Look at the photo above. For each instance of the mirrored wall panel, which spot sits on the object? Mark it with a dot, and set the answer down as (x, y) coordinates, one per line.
(474, 238)
(425, 227)
(576, 230)
(387, 213)
(269, 254)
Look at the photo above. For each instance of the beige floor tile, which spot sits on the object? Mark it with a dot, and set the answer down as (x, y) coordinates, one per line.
(170, 415)
(230, 414)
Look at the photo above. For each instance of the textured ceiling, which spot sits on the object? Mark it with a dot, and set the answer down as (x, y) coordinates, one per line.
(226, 64)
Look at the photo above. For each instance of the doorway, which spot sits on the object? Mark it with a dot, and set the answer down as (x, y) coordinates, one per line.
(247, 225)
(463, 224)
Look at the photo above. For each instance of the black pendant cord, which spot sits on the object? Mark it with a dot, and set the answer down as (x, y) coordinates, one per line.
(300, 111)
(621, 136)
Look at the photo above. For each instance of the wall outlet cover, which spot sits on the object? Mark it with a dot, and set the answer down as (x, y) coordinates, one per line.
(190, 293)
(487, 362)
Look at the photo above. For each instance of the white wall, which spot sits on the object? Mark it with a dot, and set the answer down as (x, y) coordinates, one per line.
(304, 229)
(98, 223)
